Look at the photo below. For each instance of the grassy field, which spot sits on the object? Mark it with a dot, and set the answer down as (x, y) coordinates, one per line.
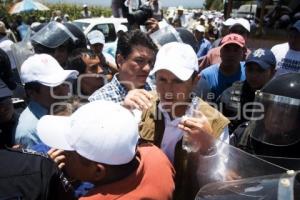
(72, 10)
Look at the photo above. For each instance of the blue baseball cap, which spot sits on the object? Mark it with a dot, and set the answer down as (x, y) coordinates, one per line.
(296, 26)
(263, 57)
(5, 92)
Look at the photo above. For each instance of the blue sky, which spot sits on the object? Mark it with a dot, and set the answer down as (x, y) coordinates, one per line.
(167, 3)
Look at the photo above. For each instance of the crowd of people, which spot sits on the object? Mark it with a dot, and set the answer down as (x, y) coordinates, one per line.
(87, 125)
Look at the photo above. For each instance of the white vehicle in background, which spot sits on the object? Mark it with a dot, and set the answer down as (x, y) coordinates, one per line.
(108, 26)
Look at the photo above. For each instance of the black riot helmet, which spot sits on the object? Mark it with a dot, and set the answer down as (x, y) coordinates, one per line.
(82, 41)
(275, 129)
(188, 38)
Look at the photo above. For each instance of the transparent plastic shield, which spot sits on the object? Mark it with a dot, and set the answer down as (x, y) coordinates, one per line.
(53, 35)
(289, 163)
(281, 187)
(279, 125)
(227, 163)
(232, 163)
(22, 50)
(165, 35)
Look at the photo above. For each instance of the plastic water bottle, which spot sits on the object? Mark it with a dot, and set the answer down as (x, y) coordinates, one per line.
(187, 142)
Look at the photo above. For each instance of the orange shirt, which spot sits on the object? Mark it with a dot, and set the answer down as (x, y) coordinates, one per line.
(153, 180)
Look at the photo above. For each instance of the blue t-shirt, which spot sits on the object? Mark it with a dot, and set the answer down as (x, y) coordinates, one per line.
(204, 47)
(26, 129)
(213, 82)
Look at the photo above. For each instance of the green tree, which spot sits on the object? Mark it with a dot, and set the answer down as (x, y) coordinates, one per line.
(213, 4)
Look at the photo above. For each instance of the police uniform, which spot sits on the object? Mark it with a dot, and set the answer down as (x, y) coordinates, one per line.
(233, 100)
(29, 175)
(273, 134)
(7, 130)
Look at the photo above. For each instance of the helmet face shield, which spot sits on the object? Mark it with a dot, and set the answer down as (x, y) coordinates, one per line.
(279, 123)
(53, 35)
(165, 35)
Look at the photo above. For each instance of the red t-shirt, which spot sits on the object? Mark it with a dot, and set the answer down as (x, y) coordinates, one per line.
(153, 180)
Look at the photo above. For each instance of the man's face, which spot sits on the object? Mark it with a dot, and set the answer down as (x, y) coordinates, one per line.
(279, 120)
(198, 35)
(92, 63)
(83, 170)
(61, 54)
(46, 95)
(180, 12)
(256, 76)
(91, 81)
(97, 48)
(134, 69)
(6, 110)
(294, 39)
(231, 54)
(171, 90)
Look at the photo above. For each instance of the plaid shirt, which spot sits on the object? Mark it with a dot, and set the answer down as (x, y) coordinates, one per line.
(113, 91)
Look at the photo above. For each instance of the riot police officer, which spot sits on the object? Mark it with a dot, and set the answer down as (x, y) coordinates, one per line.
(236, 101)
(273, 132)
(58, 40)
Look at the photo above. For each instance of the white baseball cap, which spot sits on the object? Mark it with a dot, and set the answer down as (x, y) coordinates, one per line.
(243, 22)
(101, 131)
(178, 58)
(229, 22)
(96, 37)
(44, 69)
(180, 7)
(200, 28)
(210, 16)
(203, 17)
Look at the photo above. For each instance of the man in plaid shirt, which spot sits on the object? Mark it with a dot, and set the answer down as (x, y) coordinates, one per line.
(135, 58)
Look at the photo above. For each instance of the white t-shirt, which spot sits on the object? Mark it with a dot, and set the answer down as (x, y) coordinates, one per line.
(173, 134)
(287, 60)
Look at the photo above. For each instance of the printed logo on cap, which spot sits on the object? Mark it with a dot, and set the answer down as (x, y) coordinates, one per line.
(259, 53)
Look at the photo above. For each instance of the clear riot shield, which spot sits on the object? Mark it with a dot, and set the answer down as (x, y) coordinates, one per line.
(284, 186)
(225, 163)
(22, 50)
(289, 163)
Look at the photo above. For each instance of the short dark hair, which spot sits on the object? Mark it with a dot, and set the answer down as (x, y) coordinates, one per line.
(128, 40)
(34, 86)
(39, 48)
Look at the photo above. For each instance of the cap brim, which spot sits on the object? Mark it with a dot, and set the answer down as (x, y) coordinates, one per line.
(96, 41)
(232, 42)
(261, 64)
(57, 79)
(54, 131)
(199, 30)
(182, 74)
(228, 23)
(242, 25)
